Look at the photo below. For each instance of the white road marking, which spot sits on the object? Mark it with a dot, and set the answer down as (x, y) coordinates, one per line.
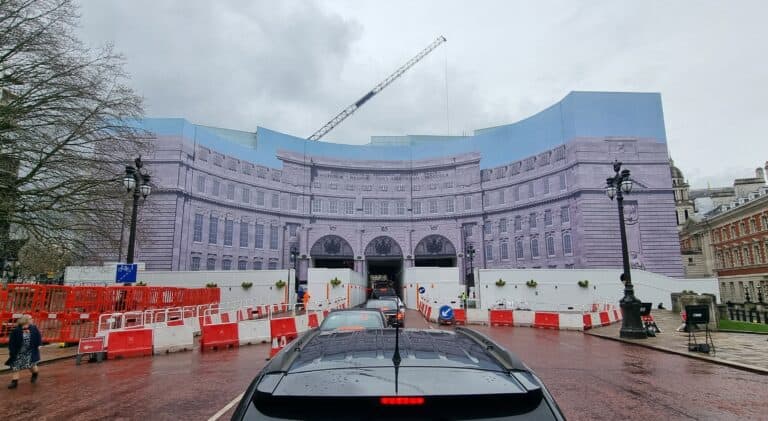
(226, 408)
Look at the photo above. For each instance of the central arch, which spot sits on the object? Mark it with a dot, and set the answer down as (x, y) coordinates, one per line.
(332, 251)
(384, 261)
(435, 250)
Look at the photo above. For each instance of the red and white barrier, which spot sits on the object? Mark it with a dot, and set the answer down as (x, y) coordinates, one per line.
(172, 336)
(251, 332)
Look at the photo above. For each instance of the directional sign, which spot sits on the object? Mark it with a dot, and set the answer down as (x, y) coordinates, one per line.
(422, 290)
(446, 312)
(126, 274)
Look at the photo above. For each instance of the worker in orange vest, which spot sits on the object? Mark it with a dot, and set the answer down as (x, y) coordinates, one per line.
(305, 299)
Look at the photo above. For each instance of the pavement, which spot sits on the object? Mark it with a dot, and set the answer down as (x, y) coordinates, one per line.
(591, 378)
(742, 350)
(48, 353)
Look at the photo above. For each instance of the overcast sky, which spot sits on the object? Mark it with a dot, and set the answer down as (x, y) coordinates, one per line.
(292, 65)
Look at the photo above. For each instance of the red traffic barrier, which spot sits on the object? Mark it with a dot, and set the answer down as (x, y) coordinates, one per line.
(129, 343)
(501, 318)
(282, 331)
(605, 319)
(546, 320)
(587, 318)
(219, 336)
(313, 321)
(460, 316)
(91, 345)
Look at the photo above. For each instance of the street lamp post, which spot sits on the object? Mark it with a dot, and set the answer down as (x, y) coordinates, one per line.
(294, 260)
(137, 182)
(631, 324)
(470, 278)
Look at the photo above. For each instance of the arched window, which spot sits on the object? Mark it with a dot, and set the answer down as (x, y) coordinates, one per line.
(567, 247)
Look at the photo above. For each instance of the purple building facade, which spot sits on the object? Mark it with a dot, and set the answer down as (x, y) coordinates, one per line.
(526, 195)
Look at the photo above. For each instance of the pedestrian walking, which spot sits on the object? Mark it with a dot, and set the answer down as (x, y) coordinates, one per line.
(24, 349)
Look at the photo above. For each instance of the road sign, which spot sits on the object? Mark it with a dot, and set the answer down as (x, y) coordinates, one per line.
(125, 273)
(446, 312)
(90, 345)
(422, 290)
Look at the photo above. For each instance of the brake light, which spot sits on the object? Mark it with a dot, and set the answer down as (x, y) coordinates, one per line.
(401, 400)
(400, 316)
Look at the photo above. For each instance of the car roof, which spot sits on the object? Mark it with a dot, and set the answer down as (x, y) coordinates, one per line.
(339, 310)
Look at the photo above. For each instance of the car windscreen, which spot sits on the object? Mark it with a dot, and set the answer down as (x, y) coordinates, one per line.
(352, 319)
(382, 304)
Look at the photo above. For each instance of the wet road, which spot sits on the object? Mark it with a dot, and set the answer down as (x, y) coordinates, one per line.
(591, 378)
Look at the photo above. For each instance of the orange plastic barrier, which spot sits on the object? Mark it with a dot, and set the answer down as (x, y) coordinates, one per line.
(460, 316)
(546, 320)
(605, 320)
(219, 336)
(129, 343)
(587, 318)
(501, 318)
(313, 321)
(283, 331)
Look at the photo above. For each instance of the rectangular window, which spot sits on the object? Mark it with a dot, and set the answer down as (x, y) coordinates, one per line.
(467, 202)
(333, 206)
(501, 197)
(532, 220)
(433, 206)
(244, 234)
(752, 225)
(259, 237)
(349, 187)
(416, 208)
(518, 223)
(534, 247)
(317, 206)
(565, 214)
(260, 198)
(273, 237)
(503, 225)
(275, 200)
(546, 185)
(530, 190)
(195, 263)
(210, 264)
(487, 228)
(226, 264)
(400, 187)
(349, 207)
(197, 235)
(468, 230)
(294, 202)
(547, 217)
(764, 222)
(563, 185)
(489, 251)
(272, 265)
(519, 249)
(757, 256)
(504, 251)
(449, 205)
(257, 265)
(516, 194)
(215, 191)
(368, 207)
(201, 184)
(401, 208)
(333, 186)
(567, 249)
(229, 227)
(213, 229)
(246, 195)
(550, 245)
(230, 192)
(242, 265)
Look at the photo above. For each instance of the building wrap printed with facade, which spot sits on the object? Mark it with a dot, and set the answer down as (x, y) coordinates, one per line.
(525, 195)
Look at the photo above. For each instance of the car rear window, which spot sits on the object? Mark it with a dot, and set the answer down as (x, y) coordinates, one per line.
(382, 304)
(352, 319)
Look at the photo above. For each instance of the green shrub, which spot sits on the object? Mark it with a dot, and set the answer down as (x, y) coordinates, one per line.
(531, 283)
(280, 284)
(584, 283)
(246, 285)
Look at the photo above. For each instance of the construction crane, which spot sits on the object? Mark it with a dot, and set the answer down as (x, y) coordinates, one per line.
(378, 88)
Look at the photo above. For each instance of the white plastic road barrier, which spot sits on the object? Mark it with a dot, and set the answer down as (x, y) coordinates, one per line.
(174, 338)
(477, 316)
(571, 321)
(302, 323)
(523, 317)
(253, 331)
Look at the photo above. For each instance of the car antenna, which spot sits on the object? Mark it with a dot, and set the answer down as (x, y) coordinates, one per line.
(396, 356)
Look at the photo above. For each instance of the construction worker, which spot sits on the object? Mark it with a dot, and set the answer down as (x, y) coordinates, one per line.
(305, 300)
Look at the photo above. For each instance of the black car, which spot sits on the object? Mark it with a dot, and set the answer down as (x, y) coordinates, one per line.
(354, 319)
(398, 374)
(391, 309)
(383, 292)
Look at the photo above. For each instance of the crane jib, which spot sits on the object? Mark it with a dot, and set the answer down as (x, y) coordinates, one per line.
(362, 100)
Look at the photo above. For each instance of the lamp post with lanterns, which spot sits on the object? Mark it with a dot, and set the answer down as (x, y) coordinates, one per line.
(631, 324)
(470, 278)
(294, 260)
(137, 181)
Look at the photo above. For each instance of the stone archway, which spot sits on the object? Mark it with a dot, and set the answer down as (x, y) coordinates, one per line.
(435, 250)
(332, 251)
(384, 261)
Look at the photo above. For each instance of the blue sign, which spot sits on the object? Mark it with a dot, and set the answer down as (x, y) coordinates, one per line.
(446, 312)
(422, 290)
(126, 274)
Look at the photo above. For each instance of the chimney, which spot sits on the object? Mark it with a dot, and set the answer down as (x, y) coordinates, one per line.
(760, 174)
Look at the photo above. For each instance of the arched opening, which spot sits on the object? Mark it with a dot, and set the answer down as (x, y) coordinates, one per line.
(435, 251)
(384, 263)
(332, 251)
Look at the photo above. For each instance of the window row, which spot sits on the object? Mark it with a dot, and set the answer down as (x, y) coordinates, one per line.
(530, 190)
(533, 221)
(226, 264)
(243, 230)
(743, 256)
(261, 197)
(533, 245)
(745, 227)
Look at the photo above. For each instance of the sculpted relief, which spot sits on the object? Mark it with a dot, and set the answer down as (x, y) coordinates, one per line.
(634, 241)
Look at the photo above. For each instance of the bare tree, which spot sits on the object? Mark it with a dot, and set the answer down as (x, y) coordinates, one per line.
(67, 119)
